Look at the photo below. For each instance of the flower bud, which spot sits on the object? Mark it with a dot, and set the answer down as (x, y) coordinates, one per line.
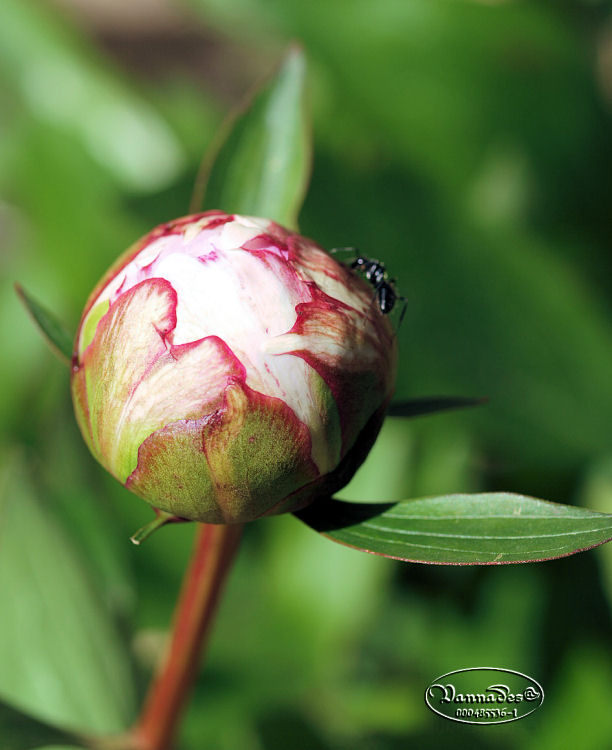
(226, 368)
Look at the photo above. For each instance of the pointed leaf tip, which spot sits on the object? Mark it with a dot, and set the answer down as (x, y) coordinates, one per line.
(53, 331)
(263, 165)
(482, 529)
(418, 407)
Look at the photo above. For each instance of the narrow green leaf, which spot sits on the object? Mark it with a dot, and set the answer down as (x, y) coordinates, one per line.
(54, 333)
(262, 167)
(485, 529)
(62, 659)
(430, 405)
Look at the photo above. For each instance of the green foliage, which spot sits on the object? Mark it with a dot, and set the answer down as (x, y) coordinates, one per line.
(63, 659)
(56, 336)
(263, 165)
(62, 85)
(480, 529)
(467, 146)
(419, 406)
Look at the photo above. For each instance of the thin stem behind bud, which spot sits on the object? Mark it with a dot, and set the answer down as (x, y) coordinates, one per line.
(214, 551)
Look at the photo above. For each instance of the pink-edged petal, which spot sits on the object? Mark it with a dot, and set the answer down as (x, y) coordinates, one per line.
(227, 368)
(137, 382)
(354, 356)
(335, 279)
(208, 219)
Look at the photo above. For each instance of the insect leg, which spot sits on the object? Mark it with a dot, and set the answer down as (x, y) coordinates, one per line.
(403, 312)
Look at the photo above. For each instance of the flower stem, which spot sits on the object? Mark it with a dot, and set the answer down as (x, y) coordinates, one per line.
(214, 551)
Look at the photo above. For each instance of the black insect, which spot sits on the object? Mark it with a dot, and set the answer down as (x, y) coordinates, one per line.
(384, 287)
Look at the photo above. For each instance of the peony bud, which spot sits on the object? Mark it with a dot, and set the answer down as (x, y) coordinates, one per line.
(226, 368)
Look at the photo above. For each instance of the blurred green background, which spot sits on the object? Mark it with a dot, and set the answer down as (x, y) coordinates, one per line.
(466, 144)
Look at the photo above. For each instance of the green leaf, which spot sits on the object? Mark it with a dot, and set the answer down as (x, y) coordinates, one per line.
(430, 405)
(54, 333)
(62, 659)
(484, 529)
(262, 167)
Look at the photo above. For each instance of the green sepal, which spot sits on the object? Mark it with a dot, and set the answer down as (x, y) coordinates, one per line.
(54, 332)
(144, 532)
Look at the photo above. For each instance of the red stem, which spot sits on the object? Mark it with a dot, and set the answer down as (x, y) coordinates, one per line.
(214, 551)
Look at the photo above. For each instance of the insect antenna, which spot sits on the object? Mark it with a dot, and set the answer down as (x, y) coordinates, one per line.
(347, 250)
